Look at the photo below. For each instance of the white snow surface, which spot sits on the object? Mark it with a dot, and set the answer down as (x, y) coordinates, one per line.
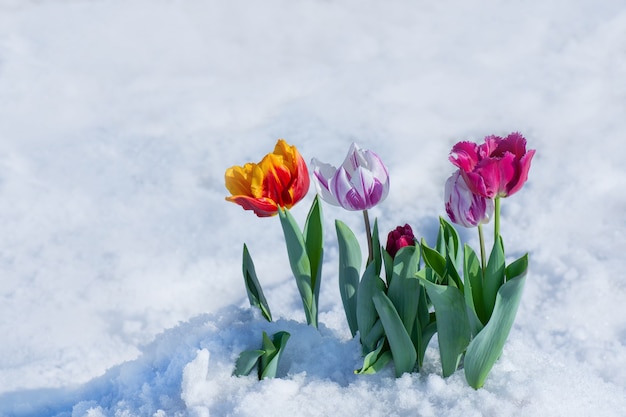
(121, 291)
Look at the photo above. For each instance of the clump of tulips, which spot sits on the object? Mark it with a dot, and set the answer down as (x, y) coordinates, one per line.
(407, 291)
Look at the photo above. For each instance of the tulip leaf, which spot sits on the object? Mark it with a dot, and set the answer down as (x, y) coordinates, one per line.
(434, 260)
(300, 264)
(473, 276)
(404, 287)
(314, 241)
(349, 272)
(388, 264)
(273, 351)
(402, 349)
(374, 361)
(453, 328)
(247, 361)
(375, 334)
(376, 248)
(487, 346)
(494, 276)
(253, 287)
(452, 242)
(517, 268)
(365, 311)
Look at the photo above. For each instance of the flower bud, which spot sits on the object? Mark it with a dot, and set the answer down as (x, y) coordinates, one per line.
(398, 238)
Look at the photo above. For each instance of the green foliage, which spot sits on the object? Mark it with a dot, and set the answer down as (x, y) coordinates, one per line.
(402, 349)
(305, 253)
(453, 328)
(487, 346)
(349, 272)
(253, 287)
(267, 358)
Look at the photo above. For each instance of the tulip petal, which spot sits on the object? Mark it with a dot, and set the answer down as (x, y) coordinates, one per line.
(524, 166)
(345, 192)
(464, 155)
(262, 207)
(237, 179)
(323, 174)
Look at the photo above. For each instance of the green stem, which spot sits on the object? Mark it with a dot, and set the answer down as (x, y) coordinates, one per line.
(496, 229)
(481, 238)
(368, 232)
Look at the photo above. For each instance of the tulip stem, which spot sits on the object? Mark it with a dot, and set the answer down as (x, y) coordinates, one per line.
(496, 228)
(368, 232)
(481, 239)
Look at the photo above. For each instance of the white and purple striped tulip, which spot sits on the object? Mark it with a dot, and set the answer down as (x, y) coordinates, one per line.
(463, 206)
(360, 183)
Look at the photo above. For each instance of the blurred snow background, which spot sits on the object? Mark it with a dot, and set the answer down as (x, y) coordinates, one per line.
(120, 282)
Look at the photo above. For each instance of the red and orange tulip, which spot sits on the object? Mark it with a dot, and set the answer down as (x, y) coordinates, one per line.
(281, 179)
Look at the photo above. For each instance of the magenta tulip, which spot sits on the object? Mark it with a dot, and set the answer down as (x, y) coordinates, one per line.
(463, 206)
(497, 168)
(360, 183)
(398, 238)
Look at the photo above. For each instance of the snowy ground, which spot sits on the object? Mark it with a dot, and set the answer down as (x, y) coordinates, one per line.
(120, 282)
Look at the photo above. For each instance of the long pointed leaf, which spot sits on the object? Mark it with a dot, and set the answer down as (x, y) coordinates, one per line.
(365, 311)
(300, 264)
(487, 346)
(404, 287)
(349, 272)
(434, 260)
(402, 350)
(453, 328)
(473, 276)
(314, 241)
(494, 276)
(253, 287)
(376, 247)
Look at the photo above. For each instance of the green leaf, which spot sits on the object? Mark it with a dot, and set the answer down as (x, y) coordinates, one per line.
(402, 350)
(487, 346)
(517, 268)
(375, 334)
(453, 242)
(273, 352)
(374, 361)
(494, 276)
(247, 361)
(388, 264)
(314, 241)
(404, 287)
(300, 264)
(453, 327)
(376, 247)
(365, 311)
(349, 272)
(253, 287)
(473, 276)
(434, 260)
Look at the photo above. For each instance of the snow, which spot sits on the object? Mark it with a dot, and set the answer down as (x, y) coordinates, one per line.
(121, 291)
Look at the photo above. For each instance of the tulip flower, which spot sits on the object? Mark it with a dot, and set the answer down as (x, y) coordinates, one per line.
(281, 179)
(360, 183)
(497, 168)
(398, 238)
(463, 206)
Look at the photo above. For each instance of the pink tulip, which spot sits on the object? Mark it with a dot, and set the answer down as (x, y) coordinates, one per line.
(361, 182)
(463, 206)
(497, 168)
